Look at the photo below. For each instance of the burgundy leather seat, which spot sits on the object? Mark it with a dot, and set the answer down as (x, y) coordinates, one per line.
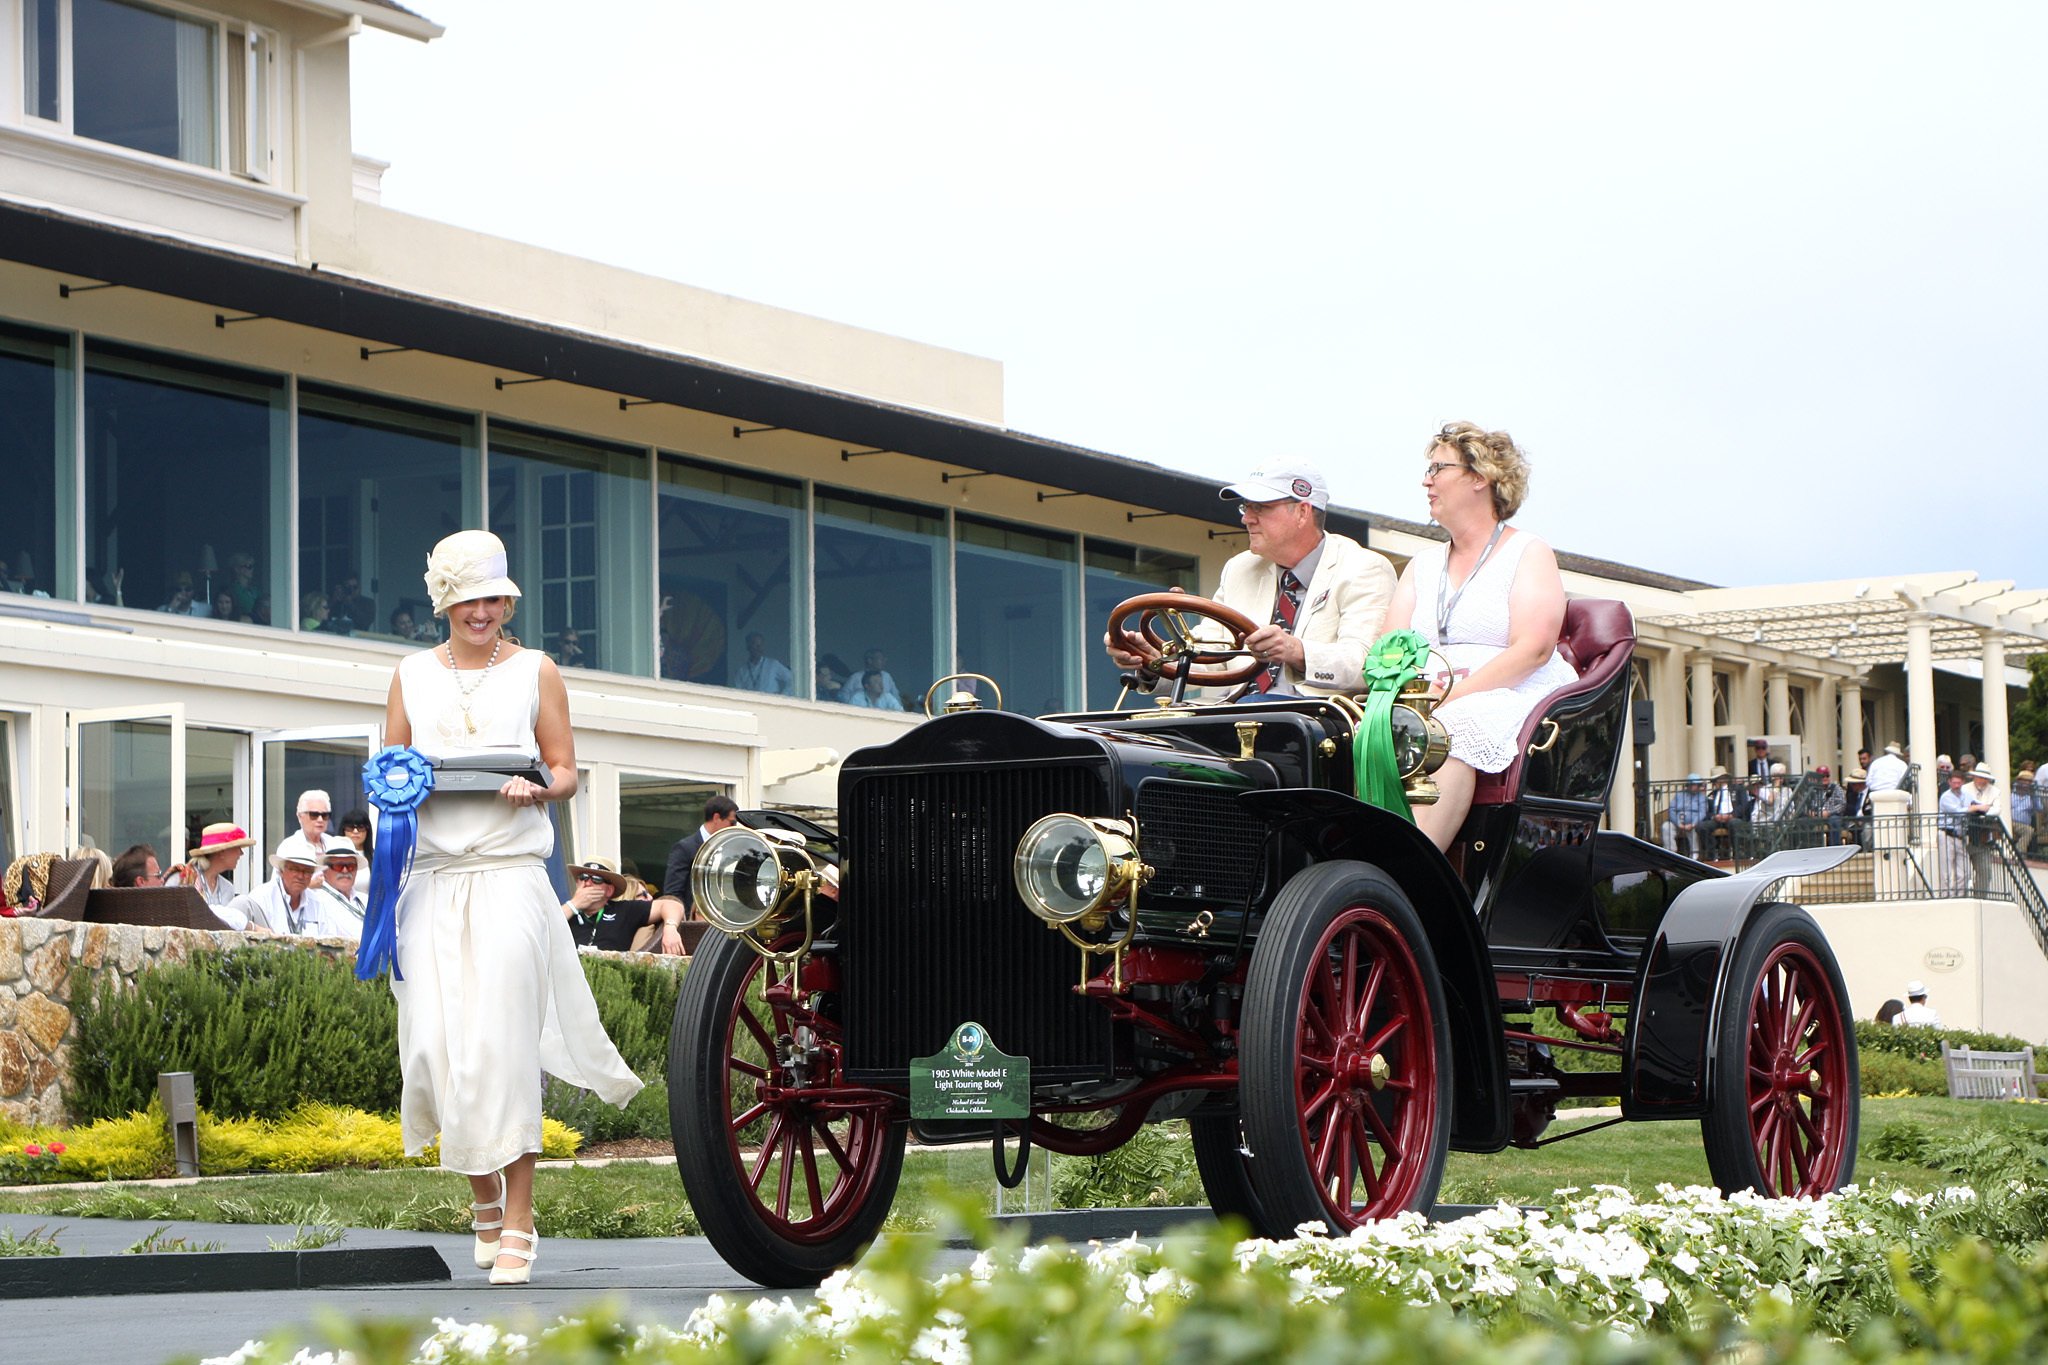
(1598, 638)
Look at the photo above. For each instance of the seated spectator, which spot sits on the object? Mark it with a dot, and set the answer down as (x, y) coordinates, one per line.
(1855, 806)
(1890, 1010)
(1684, 823)
(180, 603)
(832, 676)
(137, 867)
(242, 568)
(260, 613)
(286, 904)
(313, 841)
(219, 852)
(1829, 802)
(355, 827)
(1727, 815)
(873, 662)
(313, 611)
(762, 672)
(874, 692)
(104, 589)
(402, 624)
(22, 577)
(342, 899)
(348, 611)
(569, 649)
(600, 915)
(1772, 801)
(223, 605)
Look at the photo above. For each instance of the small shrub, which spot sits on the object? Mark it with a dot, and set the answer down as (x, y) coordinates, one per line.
(34, 1242)
(645, 1115)
(1922, 1042)
(1897, 1073)
(157, 1241)
(1900, 1140)
(1156, 1168)
(636, 1003)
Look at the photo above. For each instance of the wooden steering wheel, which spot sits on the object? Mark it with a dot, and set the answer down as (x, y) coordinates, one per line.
(1163, 654)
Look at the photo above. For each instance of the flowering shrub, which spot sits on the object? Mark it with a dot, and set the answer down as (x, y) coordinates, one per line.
(30, 1164)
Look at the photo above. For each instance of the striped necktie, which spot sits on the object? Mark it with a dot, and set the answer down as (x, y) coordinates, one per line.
(1286, 607)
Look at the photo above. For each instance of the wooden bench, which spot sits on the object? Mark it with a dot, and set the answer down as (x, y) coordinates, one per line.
(1975, 1075)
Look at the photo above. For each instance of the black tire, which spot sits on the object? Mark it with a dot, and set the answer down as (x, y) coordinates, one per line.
(1218, 1140)
(814, 1221)
(1387, 1075)
(1784, 1113)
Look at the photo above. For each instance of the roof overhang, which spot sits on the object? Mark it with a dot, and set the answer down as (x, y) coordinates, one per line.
(375, 14)
(381, 316)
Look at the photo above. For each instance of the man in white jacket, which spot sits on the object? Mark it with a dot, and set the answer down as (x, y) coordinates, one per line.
(1320, 599)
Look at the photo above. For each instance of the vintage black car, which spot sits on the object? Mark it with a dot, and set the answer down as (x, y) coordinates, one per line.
(1182, 912)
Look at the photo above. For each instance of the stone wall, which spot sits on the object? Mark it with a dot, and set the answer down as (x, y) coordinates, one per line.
(36, 1029)
(36, 961)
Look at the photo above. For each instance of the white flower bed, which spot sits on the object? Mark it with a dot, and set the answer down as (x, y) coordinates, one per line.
(1601, 1259)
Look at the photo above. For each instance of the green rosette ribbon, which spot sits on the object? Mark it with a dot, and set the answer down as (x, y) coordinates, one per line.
(1395, 657)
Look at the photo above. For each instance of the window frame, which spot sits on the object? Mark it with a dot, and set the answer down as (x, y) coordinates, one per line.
(260, 68)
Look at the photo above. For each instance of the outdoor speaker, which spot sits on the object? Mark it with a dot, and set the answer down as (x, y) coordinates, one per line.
(1645, 721)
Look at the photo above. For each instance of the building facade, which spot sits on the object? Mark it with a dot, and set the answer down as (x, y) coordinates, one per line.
(240, 398)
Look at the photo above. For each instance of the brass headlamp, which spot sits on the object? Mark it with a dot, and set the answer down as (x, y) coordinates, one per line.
(1071, 870)
(746, 881)
(1421, 744)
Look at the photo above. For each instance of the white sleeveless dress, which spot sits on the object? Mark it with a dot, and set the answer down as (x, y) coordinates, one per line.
(492, 991)
(1485, 727)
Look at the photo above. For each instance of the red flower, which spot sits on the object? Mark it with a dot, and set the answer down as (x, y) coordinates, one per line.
(31, 1150)
(56, 1149)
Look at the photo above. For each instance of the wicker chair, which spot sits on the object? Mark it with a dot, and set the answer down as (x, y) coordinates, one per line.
(177, 907)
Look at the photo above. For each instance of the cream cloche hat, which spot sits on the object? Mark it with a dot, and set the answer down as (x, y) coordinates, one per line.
(466, 566)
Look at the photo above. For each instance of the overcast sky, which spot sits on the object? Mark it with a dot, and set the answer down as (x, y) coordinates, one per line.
(1759, 287)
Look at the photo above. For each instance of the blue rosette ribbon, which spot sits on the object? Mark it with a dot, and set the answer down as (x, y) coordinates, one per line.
(396, 780)
(1395, 658)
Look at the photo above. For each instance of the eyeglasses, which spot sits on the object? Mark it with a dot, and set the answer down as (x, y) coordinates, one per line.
(590, 877)
(1263, 509)
(1436, 467)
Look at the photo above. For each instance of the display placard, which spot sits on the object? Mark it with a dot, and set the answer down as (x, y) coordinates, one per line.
(970, 1079)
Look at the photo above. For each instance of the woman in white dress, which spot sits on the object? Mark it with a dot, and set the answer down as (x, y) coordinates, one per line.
(491, 991)
(1491, 605)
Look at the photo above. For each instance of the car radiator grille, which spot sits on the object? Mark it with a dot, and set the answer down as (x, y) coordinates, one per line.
(1199, 842)
(932, 932)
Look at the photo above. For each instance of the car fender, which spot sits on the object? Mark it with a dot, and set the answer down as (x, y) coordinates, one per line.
(1668, 1072)
(1332, 826)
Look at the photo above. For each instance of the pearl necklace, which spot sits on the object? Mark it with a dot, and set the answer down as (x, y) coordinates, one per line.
(464, 694)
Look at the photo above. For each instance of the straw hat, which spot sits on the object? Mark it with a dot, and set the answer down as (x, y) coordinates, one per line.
(221, 838)
(598, 867)
(466, 566)
(295, 859)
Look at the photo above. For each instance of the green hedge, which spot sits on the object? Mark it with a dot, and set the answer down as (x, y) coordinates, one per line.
(266, 1029)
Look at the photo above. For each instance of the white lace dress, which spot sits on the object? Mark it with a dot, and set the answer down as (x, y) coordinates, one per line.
(1485, 727)
(493, 991)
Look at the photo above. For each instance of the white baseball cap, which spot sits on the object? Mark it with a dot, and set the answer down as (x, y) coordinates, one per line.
(1279, 479)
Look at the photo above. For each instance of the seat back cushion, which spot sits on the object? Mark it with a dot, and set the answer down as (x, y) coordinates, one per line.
(1597, 639)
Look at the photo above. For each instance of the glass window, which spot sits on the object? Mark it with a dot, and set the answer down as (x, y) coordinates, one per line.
(654, 812)
(185, 473)
(882, 599)
(42, 86)
(212, 758)
(574, 519)
(1015, 599)
(300, 763)
(379, 484)
(1114, 573)
(733, 578)
(124, 781)
(10, 812)
(35, 464)
(144, 78)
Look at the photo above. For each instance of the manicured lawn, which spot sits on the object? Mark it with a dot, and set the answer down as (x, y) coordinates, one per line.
(630, 1200)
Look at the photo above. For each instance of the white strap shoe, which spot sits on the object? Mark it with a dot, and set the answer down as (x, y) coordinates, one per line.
(518, 1274)
(487, 1252)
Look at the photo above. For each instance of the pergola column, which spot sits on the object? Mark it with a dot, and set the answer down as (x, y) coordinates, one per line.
(1920, 704)
(1777, 701)
(1820, 723)
(1997, 738)
(1852, 725)
(1699, 738)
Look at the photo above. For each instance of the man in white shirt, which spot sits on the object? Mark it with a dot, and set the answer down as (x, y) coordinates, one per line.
(1319, 599)
(763, 672)
(1917, 1010)
(874, 661)
(285, 905)
(1887, 770)
(343, 900)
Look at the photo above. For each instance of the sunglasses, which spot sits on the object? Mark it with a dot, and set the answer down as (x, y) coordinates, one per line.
(590, 877)
(319, 814)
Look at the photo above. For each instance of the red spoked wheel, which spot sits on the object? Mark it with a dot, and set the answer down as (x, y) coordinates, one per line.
(1783, 1117)
(1346, 1082)
(790, 1170)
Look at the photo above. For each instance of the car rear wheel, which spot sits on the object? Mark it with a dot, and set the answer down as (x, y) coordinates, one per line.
(1783, 1116)
(788, 1181)
(1345, 1061)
